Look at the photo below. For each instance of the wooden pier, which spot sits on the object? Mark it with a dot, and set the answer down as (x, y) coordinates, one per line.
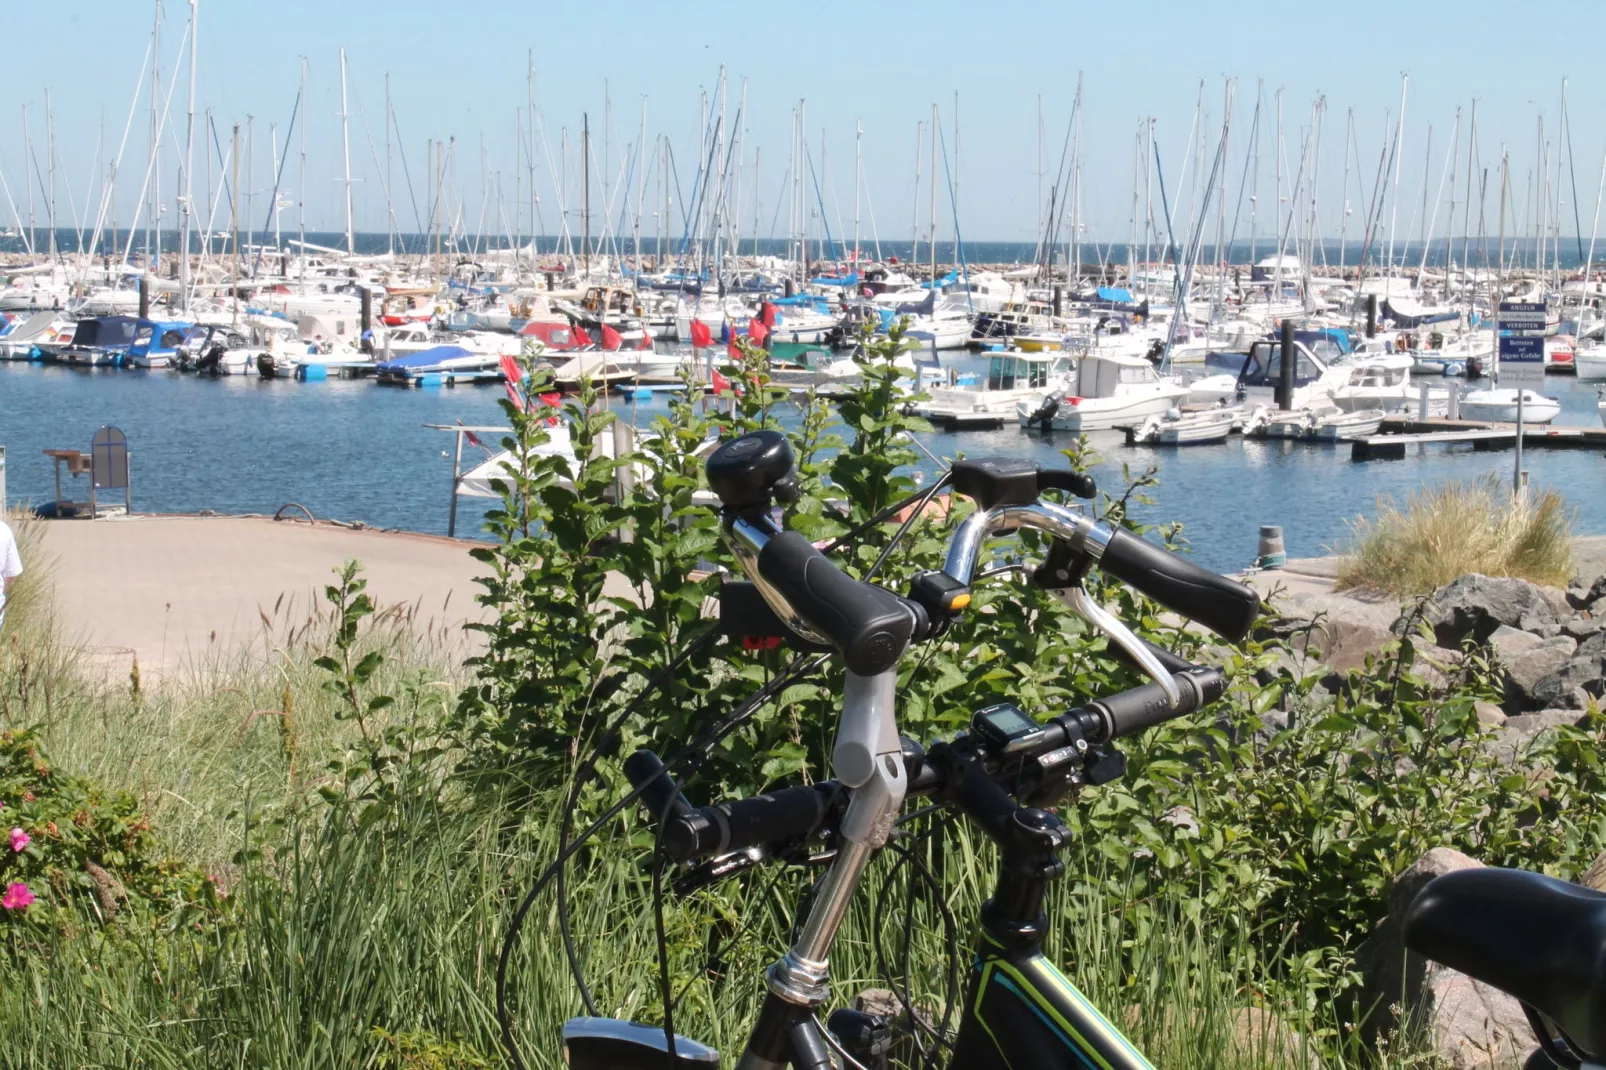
(1399, 432)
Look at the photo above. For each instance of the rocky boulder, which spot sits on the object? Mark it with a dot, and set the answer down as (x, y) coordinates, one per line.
(1525, 659)
(1572, 684)
(1467, 1024)
(1519, 733)
(1476, 606)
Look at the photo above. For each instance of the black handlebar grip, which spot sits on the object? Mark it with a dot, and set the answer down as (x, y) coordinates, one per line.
(661, 792)
(870, 626)
(788, 814)
(1224, 606)
(1144, 707)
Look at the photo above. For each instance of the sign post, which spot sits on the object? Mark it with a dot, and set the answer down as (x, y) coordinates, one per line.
(1521, 364)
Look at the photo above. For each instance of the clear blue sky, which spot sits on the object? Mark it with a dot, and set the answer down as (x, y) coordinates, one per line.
(458, 70)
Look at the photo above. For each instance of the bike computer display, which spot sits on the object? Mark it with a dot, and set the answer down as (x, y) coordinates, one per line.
(1006, 728)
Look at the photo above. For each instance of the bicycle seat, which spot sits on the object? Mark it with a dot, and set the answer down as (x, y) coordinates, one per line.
(1540, 939)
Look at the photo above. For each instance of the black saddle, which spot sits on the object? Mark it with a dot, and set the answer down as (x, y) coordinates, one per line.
(1540, 939)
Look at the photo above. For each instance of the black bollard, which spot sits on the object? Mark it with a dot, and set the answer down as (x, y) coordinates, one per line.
(1371, 315)
(144, 298)
(367, 310)
(1285, 379)
(1058, 302)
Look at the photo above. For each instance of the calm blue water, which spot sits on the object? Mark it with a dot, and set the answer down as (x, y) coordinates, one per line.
(351, 450)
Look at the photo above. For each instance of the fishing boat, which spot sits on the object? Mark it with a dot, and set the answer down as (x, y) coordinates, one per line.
(1177, 428)
(1499, 405)
(1111, 390)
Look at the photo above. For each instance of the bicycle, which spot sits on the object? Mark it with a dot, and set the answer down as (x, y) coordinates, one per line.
(1002, 775)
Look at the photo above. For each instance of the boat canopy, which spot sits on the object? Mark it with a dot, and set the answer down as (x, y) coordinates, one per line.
(1263, 366)
(424, 358)
(1118, 294)
(1407, 312)
(851, 279)
(106, 332)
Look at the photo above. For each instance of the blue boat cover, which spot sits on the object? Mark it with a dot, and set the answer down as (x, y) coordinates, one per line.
(423, 358)
(1118, 294)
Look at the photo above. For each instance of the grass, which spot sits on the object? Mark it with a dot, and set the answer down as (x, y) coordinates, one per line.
(373, 944)
(1458, 528)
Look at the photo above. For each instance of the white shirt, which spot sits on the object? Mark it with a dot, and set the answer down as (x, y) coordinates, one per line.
(10, 561)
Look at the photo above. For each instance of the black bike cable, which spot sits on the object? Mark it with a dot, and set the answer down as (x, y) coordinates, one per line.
(884, 515)
(731, 721)
(924, 499)
(582, 775)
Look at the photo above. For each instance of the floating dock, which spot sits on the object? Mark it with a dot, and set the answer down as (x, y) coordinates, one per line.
(1399, 432)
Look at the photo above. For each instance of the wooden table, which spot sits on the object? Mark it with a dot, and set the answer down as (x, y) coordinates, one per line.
(78, 463)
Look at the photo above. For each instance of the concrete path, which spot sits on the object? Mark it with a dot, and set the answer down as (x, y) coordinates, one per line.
(179, 591)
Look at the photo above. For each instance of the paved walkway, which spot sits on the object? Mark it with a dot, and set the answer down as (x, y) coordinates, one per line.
(177, 591)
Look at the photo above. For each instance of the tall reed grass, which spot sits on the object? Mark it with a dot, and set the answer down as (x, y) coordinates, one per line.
(1457, 528)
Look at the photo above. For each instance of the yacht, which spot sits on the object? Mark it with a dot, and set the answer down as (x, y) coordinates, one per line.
(1590, 361)
(1110, 390)
(1381, 381)
(1259, 373)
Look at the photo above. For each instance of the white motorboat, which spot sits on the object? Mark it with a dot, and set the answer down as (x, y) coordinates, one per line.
(1378, 382)
(1590, 361)
(1111, 390)
(1255, 376)
(1560, 350)
(1314, 423)
(1499, 405)
(1177, 428)
(1011, 378)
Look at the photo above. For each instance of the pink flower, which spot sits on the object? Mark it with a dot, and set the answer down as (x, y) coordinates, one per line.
(16, 897)
(19, 840)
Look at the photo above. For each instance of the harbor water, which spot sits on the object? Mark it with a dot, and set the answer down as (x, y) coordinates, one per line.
(354, 451)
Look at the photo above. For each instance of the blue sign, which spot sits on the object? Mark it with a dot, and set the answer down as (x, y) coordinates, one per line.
(1519, 350)
(1519, 307)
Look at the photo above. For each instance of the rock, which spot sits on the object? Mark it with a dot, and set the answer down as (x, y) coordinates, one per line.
(1572, 684)
(1476, 605)
(1583, 627)
(1580, 596)
(1489, 713)
(1527, 659)
(1340, 629)
(1267, 1040)
(1557, 599)
(1467, 1024)
(1520, 732)
(1595, 876)
(1436, 665)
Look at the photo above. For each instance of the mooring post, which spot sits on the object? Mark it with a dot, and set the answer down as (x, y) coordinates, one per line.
(1285, 380)
(1371, 315)
(457, 475)
(144, 297)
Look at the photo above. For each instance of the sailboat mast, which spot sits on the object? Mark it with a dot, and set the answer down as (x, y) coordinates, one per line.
(641, 182)
(914, 214)
(1394, 209)
(585, 192)
(187, 179)
(934, 196)
(345, 143)
(529, 144)
(301, 201)
(390, 209)
(27, 156)
(858, 182)
(50, 162)
(153, 231)
(234, 219)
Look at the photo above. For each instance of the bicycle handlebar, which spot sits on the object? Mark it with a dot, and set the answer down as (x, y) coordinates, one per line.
(799, 813)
